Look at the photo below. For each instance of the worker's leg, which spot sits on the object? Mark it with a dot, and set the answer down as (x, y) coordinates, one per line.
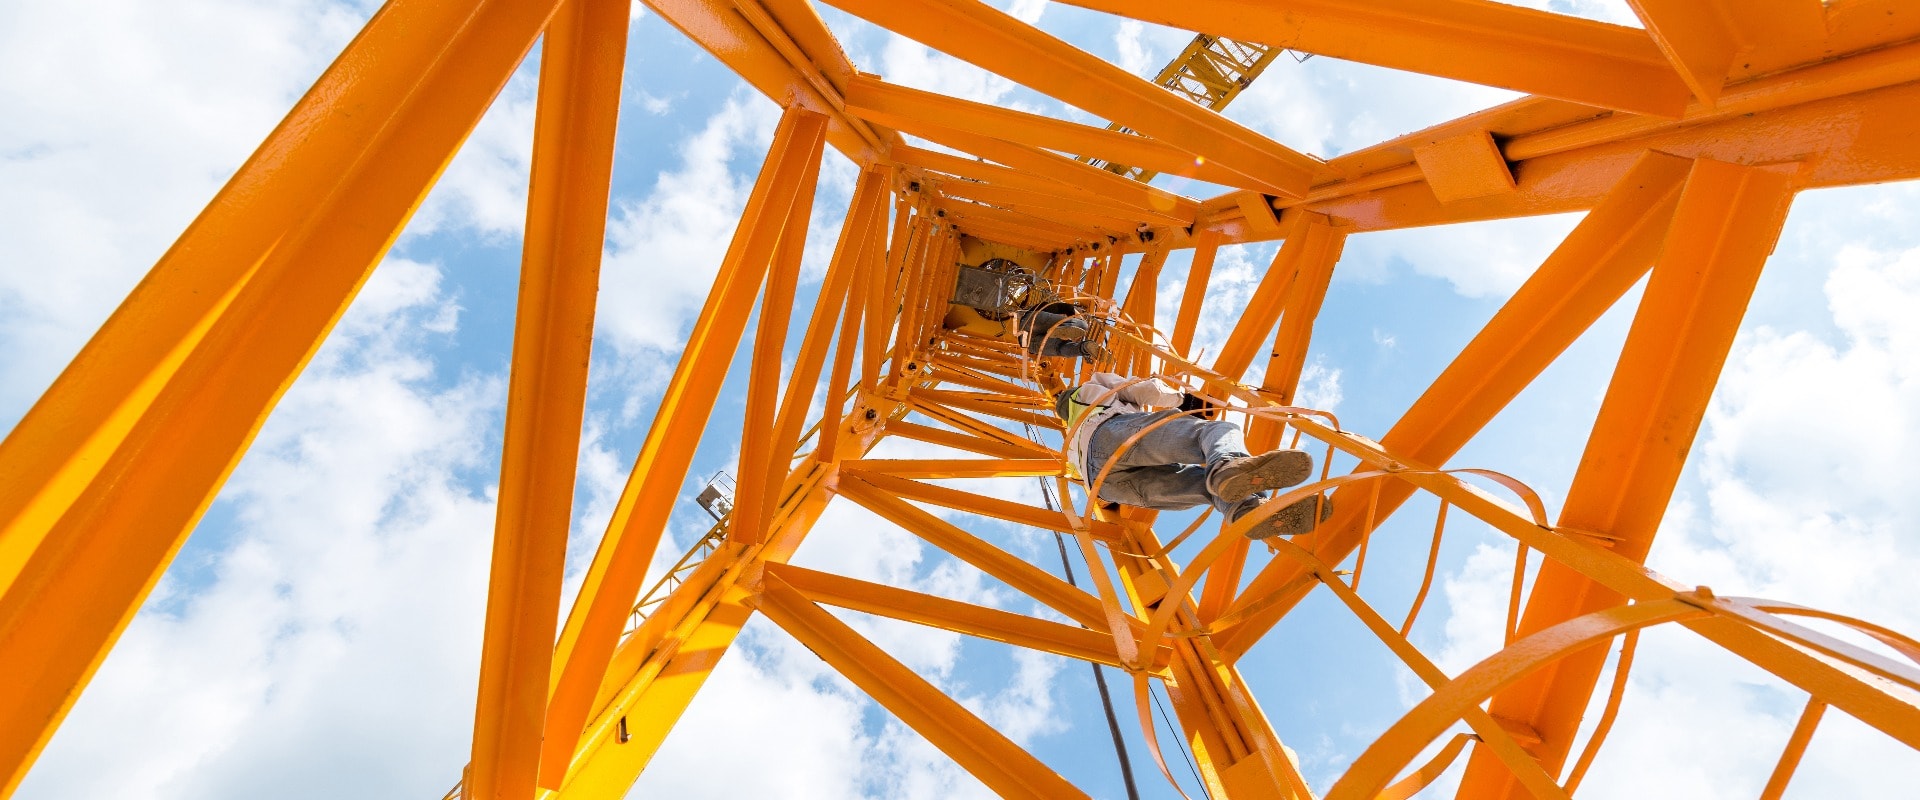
(1061, 333)
(1181, 440)
(1176, 487)
(1163, 487)
(1055, 348)
(1233, 475)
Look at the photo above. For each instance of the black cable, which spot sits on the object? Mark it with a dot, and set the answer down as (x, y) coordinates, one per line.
(1184, 753)
(1099, 675)
(1100, 681)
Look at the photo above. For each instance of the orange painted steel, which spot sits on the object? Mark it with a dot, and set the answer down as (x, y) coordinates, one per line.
(908, 109)
(581, 64)
(1312, 246)
(1796, 747)
(986, 623)
(111, 469)
(763, 463)
(1723, 229)
(991, 39)
(1002, 765)
(1683, 142)
(619, 566)
(1597, 263)
(1477, 41)
(1199, 272)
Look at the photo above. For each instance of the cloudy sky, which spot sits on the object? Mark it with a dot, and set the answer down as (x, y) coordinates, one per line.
(318, 635)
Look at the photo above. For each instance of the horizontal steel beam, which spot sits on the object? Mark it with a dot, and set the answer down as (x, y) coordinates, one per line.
(914, 111)
(990, 39)
(1477, 41)
(939, 612)
(995, 175)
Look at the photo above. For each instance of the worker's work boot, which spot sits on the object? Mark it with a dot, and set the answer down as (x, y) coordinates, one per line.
(1297, 518)
(1236, 479)
(1067, 333)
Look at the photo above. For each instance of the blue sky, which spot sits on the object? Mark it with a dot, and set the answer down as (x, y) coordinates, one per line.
(318, 635)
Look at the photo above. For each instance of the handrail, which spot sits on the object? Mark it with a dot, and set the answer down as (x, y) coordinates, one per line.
(1525, 518)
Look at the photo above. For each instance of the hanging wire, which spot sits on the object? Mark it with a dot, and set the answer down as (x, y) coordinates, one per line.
(1184, 752)
(1099, 675)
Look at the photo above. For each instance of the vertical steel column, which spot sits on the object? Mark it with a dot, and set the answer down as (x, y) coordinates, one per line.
(763, 458)
(913, 271)
(1143, 295)
(1235, 747)
(1599, 261)
(1311, 242)
(106, 475)
(620, 564)
(1289, 355)
(661, 667)
(581, 62)
(883, 297)
(841, 271)
(989, 755)
(1725, 227)
(1206, 244)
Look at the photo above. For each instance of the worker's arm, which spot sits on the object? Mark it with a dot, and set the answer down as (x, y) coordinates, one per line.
(1153, 392)
(1099, 388)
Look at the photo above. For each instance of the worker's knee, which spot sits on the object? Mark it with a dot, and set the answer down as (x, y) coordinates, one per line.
(1166, 488)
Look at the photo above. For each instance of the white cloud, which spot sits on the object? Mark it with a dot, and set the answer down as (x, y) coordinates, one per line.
(906, 62)
(1231, 284)
(1027, 11)
(777, 688)
(1479, 259)
(1133, 53)
(330, 648)
(114, 138)
(773, 698)
(1805, 459)
(1328, 107)
(657, 106)
(664, 250)
(1799, 494)
(484, 190)
(117, 137)
(1614, 11)
(1319, 386)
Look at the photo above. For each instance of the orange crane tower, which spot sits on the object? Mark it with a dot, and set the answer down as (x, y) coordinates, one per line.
(1684, 143)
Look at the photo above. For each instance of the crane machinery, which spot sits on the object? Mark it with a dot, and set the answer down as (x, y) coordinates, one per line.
(1683, 142)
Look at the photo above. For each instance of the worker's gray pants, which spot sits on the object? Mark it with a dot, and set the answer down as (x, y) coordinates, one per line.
(1038, 324)
(1167, 468)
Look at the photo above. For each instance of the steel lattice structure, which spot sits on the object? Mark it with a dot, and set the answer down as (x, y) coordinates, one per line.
(1684, 143)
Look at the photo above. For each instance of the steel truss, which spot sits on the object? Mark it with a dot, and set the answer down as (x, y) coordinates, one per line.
(1684, 143)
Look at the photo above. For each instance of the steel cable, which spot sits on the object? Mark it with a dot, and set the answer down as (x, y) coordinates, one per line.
(1099, 676)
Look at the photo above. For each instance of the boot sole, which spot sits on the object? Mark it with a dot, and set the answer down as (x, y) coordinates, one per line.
(1276, 470)
(1293, 520)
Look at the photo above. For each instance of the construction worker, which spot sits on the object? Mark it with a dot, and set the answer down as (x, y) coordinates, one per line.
(1183, 463)
(1058, 330)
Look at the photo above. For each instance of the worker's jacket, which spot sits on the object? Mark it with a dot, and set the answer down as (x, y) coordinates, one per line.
(1097, 400)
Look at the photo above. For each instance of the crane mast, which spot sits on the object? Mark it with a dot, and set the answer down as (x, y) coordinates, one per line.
(1684, 142)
